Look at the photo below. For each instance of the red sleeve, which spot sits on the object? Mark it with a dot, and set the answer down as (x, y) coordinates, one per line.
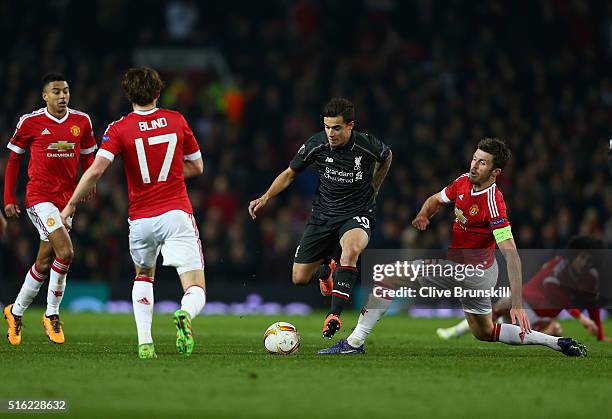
(574, 312)
(10, 178)
(111, 144)
(449, 194)
(191, 147)
(595, 315)
(21, 139)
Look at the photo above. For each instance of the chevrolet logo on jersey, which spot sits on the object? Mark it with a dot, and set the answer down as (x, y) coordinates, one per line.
(61, 146)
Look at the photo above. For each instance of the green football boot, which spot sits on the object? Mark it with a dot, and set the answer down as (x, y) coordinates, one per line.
(146, 351)
(184, 336)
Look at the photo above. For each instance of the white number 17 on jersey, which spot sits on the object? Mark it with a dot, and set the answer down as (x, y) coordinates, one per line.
(142, 156)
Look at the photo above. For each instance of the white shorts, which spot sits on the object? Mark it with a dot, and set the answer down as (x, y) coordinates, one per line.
(46, 218)
(174, 233)
(474, 305)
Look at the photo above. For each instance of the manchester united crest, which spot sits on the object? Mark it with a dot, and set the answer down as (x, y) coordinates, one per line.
(75, 131)
(473, 210)
(50, 222)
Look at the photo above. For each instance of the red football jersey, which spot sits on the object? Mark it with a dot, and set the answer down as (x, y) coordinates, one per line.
(477, 214)
(55, 147)
(153, 145)
(553, 288)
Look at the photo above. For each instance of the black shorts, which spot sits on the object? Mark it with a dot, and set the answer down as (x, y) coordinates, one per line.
(321, 237)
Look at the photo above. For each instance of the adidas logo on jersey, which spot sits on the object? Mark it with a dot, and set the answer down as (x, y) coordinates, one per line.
(45, 132)
(329, 160)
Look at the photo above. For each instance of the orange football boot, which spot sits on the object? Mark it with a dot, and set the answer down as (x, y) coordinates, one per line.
(53, 328)
(14, 326)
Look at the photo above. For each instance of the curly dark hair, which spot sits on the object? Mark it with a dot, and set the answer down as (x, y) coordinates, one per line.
(142, 85)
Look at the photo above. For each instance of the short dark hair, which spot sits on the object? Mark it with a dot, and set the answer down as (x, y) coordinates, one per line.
(49, 77)
(142, 85)
(498, 149)
(339, 106)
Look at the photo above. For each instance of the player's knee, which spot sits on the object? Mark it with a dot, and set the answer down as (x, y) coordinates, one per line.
(43, 264)
(482, 333)
(300, 278)
(66, 254)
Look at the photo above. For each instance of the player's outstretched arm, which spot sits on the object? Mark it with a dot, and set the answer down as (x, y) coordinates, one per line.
(429, 209)
(280, 184)
(515, 275)
(87, 182)
(380, 172)
(193, 168)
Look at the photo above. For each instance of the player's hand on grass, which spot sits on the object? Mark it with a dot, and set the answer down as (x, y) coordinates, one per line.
(67, 214)
(420, 222)
(519, 317)
(12, 210)
(90, 195)
(256, 204)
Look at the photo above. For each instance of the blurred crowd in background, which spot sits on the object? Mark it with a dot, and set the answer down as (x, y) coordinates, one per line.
(429, 78)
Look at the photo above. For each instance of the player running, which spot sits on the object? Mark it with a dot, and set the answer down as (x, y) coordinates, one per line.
(563, 283)
(352, 166)
(57, 137)
(159, 152)
(480, 223)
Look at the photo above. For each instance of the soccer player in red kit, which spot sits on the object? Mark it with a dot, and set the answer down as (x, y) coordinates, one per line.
(57, 137)
(480, 224)
(563, 283)
(159, 151)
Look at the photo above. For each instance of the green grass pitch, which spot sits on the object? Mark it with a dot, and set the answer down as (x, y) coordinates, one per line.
(407, 372)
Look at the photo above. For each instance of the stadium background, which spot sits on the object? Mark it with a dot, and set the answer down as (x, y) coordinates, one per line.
(428, 78)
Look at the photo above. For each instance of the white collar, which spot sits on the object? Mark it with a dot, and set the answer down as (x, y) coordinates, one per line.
(147, 112)
(53, 118)
(485, 190)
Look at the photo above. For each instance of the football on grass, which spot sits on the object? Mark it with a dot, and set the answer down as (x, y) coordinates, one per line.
(281, 338)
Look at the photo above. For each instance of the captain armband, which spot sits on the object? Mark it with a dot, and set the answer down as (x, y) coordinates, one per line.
(502, 234)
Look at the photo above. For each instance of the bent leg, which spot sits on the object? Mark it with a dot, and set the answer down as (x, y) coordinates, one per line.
(303, 273)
